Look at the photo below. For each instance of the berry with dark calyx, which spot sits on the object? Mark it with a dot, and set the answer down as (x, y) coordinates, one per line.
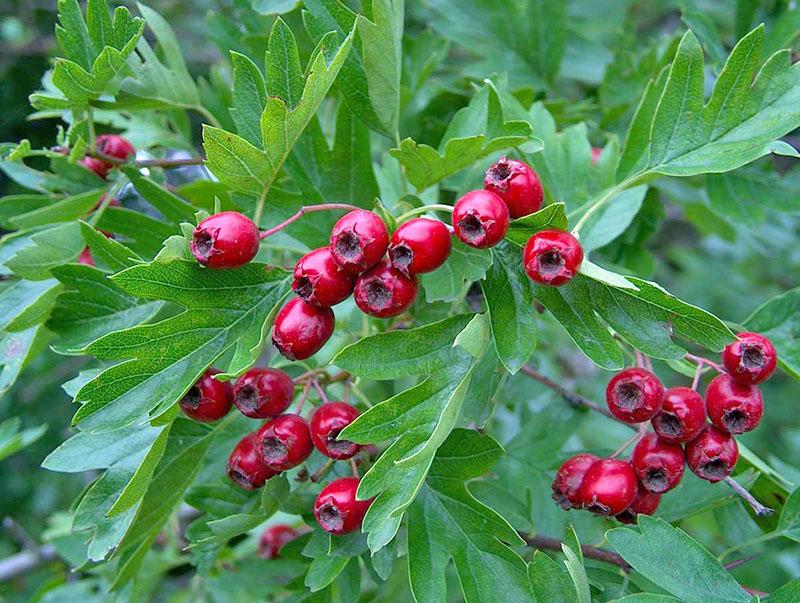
(658, 464)
(609, 487)
(682, 415)
(86, 257)
(480, 219)
(225, 240)
(273, 538)
(358, 240)
(112, 145)
(209, 399)
(645, 503)
(634, 395)
(245, 465)
(326, 423)
(567, 483)
(713, 454)
(517, 185)
(319, 280)
(337, 510)
(383, 291)
(750, 359)
(263, 392)
(733, 406)
(301, 329)
(552, 257)
(284, 442)
(420, 245)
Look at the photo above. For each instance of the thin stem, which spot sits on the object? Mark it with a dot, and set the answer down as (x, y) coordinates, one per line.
(90, 129)
(305, 210)
(208, 115)
(597, 205)
(648, 363)
(101, 209)
(354, 467)
(569, 396)
(591, 552)
(303, 397)
(697, 373)
(639, 358)
(322, 471)
(322, 395)
(305, 376)
(759, 509)
(632, 440)
(262, 199)
(700, 360)
(424, 209)
(163, 163)
(752, 542)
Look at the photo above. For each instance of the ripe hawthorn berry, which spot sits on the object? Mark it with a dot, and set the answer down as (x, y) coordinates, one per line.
(326, 423)
(383, 291)
(645, 503)
(336, 508)
(713, 454)
(245, 465)
(301, 329)
(319, 280)
(209, 399)
(682, 415)
(567, 483)
(480, 219)
(733, 406)
(658, 464)
(263, 392)
(225, 240)
(609, 487)
(358, 240)
(284, 442)
(517, 184)
(273, 538)
(420, 245)
(552, 257)
(750, 359)
(634, 395)
(112, 145)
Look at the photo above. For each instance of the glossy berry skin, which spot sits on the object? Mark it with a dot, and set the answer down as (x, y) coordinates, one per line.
(420, 245)
(383, 291)
(634, 395)
(86, 258)
(225, 240)
(713, 454)
(480, 219)
(552, 257)
(208, 400)
(645, 503)
(567, 483)
(682, 416)
(263, 392)
(658, 464)
(358, 241)
(284, 442)
(336, 508)
(517, 185)
(98, 166)
(319, 280)
(273, 538)
(301, 329)
(609, 487)
(112, 145)
(326, 423)
(733, 406)
(245, 466)
(750, 359)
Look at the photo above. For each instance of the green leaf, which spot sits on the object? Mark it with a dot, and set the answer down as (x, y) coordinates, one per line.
(746, 195)
(550, 581)
(577, 572)
(788, 593)
(463, 266)
(789, 521)
(64, 210)
(170, 205)
(550, 216)
(613, 219)
(52, 247)
(13, 439)
(25, 304)
(779, 319)
(17, 350)
(248, 96)
(108, 252)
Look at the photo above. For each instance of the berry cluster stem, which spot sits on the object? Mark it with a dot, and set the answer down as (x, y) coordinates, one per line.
(422, 210)
(700, 361)
(306, 209)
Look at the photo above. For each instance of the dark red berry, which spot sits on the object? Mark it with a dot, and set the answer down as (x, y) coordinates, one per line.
(480, 219)
(114, 145)
(682, 416)
(301, 329)
(336, 508)
(358, 240)
(383, 291)
(273, 538)
(645, 503)
(658, 464)
(245, 466)
(209, 399)
(284, 442)
(263, 392)
(86, 257)
(326, 423)
(98, 166)
(713, 454)
(552, 257)
(634, 395)
(225, 240)
(567, 483)
(750, 359)
(609, 487)
(420, 245)
(319, 280)
(517, 185)
(733, 406)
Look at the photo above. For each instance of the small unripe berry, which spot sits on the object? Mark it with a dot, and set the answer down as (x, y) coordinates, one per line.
(245, 465)
(336, 508)
(225, 240)
(284, 442)
(319, 280)
(609, 487)
(480, 219)
(682, 415)
(658, 464)
(263, 392)
(383, 291)
(208, 400)
(713, 454)
(420, 245)
(567, 483)
(517, 185)
(733, 406)
(326, 423)
(273, 538)
(301, 329)
(645, 503)
(86, 258)
(750, 359)
(358, 240)
(552, 257)
(634, 395)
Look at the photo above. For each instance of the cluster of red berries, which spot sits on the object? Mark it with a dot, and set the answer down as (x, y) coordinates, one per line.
(733, 404)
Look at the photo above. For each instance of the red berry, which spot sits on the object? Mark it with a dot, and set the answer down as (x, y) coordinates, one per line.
(596, 152)
(114, 145)
(517, 185)
(480, 219)
(336, 508)
(733, 406)
(319, 280)
(634, 395)
(284, 442)
(245, 466)
(383, 291)
(552, 257)
(609, 487)
(301, 329)
(98, 166)
(273, 538)
(658, 464)
(713, 454)
(567, 483)
(645, 503)
(225, 240)
(326, 423)
(263, 392)
(420, 245)
(86, 257)
(358, 240)
(682, 416)
(750, 359)
(209, 399)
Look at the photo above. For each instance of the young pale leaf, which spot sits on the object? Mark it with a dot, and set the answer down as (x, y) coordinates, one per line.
(779, 319)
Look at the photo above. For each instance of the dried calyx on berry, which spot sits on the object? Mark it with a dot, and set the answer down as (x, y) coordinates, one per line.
(658, 464)
(552, 257)
(516, 184)
(337, 510)
(263, 392)
(733, 406)
(245, 465)
(480, 219)
(713, 454)
(420, 245)
(750, 359)
(209, 399)
(634, 395)
(326, 424)
(383, 291)
(225, 240)
(301, 329)
(682, 415)
(645, 503)
(358, 241)
(284, 442)
(319, 280)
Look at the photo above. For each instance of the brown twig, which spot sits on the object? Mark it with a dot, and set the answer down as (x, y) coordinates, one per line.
(590, 552)
(759, 509)
(303, 211)
(163, 163)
